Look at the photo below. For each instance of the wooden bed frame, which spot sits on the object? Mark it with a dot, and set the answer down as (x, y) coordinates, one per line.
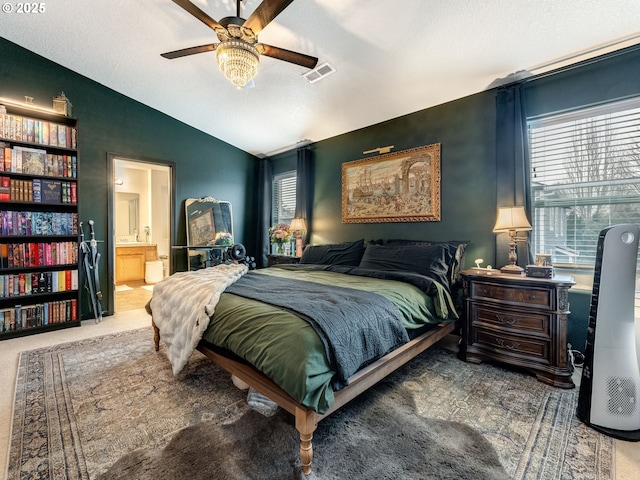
(306, 419)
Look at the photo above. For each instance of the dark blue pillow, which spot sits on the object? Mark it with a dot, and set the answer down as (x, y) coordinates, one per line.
(347, 253)
(457, 249)
(432, 261)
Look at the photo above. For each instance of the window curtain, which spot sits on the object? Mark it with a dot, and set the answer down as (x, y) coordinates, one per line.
(265, 179)
(304, 188)
(512, 162)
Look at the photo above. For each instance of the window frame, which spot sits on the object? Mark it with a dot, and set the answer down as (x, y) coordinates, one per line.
(583, 271)
(278, 178)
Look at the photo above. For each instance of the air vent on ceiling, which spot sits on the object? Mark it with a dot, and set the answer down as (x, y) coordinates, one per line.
(319, 73)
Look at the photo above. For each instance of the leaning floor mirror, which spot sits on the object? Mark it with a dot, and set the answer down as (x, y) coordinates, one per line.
(209, 231)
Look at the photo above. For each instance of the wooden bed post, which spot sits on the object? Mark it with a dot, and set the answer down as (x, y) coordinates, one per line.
(306, 423)
(156, 336)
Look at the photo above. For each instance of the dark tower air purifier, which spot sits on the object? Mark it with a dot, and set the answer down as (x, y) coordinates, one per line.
(610, 387)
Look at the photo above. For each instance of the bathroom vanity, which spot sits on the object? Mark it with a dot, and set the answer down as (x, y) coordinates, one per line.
(131, 258)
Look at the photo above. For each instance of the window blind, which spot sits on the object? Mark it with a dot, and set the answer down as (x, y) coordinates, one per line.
(585, 176)
(283, 202)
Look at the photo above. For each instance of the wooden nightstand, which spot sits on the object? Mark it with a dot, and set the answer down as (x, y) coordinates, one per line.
(519, 321)
(281, 259)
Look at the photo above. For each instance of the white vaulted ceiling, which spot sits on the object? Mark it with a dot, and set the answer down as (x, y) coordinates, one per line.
(391, 57)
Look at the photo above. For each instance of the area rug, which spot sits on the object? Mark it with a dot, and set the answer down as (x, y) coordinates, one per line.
(109, 408)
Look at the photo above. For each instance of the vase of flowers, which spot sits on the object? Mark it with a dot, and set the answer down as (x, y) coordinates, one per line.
(279, 235)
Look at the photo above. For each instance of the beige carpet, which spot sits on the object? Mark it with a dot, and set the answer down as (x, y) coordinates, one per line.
(82, 406)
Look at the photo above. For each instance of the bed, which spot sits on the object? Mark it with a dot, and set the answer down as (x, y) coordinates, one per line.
(313, 336)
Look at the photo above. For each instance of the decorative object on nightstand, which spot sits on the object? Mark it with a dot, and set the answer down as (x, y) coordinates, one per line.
(299, 229)
(512, 220)
(542, 267)
(279, 235)
(519, 321)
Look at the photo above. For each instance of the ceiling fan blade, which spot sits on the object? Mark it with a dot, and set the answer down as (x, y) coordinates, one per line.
(190, 51)
(288, 56)
(265, 13)
(196, 12)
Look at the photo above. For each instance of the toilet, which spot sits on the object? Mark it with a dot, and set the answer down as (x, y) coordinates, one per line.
(153, 271)
(165, 265)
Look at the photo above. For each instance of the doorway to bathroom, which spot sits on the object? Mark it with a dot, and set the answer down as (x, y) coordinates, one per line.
(140, 221)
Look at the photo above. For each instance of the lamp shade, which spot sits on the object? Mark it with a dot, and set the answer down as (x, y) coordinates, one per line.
(512, 219)
(298, 225)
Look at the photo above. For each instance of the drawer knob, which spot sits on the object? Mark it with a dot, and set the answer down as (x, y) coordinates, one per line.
(512, 346)
(506, 321)
(532, 297)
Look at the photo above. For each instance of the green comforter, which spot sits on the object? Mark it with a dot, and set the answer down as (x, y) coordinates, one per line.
(286, 348)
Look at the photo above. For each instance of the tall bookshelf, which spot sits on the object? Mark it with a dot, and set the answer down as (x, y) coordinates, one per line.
(39, 256)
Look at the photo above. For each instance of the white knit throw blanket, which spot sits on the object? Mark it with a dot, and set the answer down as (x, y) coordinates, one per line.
(182, 304)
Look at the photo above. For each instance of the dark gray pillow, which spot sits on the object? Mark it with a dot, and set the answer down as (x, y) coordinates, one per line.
(347, 253)
(457, 248)
(432, 261)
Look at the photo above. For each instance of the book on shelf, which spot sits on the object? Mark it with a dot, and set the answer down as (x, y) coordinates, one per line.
(24, 317)
(5, 188)
(51, 191)
(62, 136)
(53, 135)
(37, 190)
(42, 132)
(33, 159)
(28, 129)
(8, 154)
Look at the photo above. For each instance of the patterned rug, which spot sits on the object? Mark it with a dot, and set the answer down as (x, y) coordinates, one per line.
(82, 408)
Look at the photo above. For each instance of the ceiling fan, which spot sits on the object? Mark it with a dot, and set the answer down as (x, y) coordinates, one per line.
(238, 52)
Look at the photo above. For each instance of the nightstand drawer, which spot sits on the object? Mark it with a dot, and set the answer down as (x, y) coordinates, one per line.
(512, 320)
(515, 295)
(512, 345)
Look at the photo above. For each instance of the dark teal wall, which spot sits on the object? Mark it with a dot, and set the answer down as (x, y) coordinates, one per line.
(616, 76)
(111, 122)
(466, 130)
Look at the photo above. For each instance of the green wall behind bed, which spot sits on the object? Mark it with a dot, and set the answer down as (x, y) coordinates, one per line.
(466, 130)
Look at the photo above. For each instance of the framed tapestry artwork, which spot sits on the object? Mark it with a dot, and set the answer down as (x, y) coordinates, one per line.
(395, 187)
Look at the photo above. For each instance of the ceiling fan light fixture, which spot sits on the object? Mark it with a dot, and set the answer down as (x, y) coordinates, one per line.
(238, 61)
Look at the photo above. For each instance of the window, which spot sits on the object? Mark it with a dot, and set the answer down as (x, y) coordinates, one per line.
(283, 200)
(585, 176)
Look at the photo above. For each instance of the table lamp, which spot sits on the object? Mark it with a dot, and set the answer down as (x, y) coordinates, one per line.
(298, 227)
(512, 220)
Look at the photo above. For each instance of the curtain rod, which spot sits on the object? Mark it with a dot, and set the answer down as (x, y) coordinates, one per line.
(582, 63)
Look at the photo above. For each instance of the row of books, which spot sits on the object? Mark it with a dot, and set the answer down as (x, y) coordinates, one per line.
(26, 223)
(24, 255)
(20, 284)
(33, 161)
(38, 191)
(30, 316)
(26, 129)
